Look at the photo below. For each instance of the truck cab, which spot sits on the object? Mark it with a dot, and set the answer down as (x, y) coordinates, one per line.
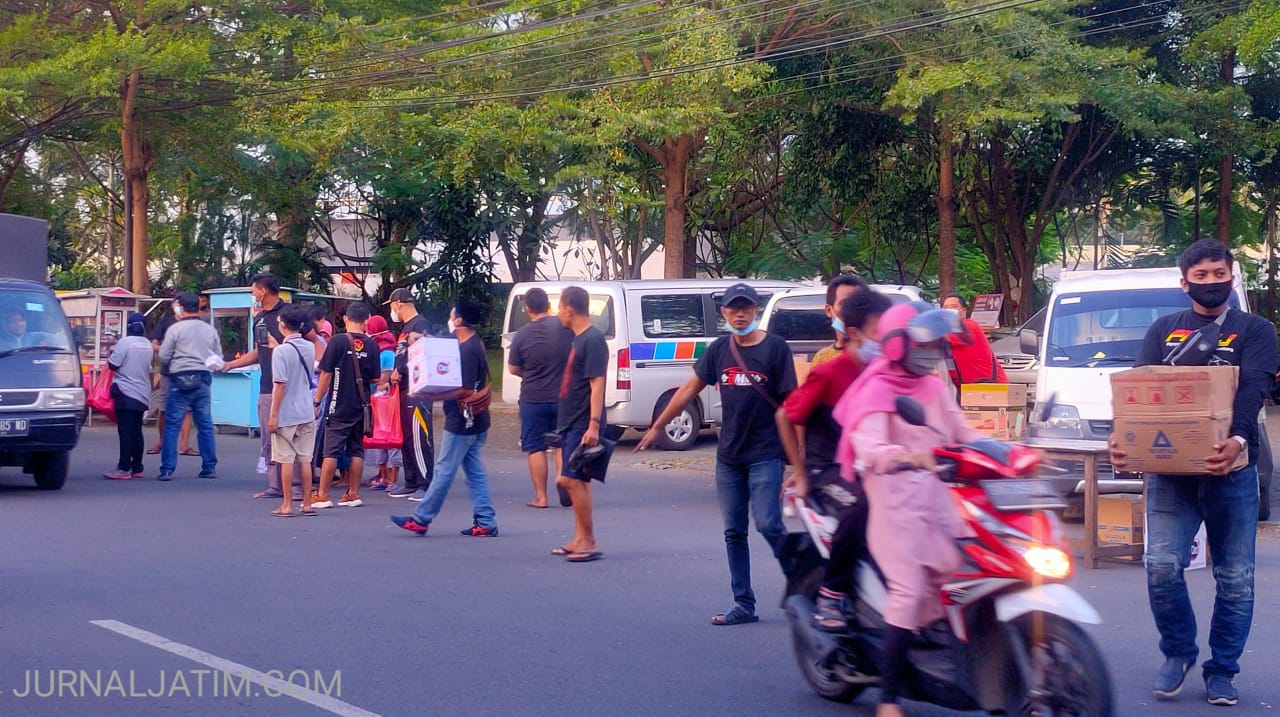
(42, 399)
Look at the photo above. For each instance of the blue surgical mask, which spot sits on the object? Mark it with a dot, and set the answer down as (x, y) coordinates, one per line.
(744, 332)
(868, 351)
(837, 325)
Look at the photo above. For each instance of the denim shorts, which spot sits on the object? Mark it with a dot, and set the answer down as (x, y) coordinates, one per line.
(536, 419)
(572, 437)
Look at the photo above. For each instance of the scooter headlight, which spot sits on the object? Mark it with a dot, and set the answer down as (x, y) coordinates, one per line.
(1052, 563)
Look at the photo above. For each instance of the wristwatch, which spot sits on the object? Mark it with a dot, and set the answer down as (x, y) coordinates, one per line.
(1244, 443)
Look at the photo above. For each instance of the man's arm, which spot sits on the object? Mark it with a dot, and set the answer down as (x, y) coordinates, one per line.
(592, 435)
(322, 387)
(682, 397)
(167, 347)
(1257, 372)
(792, 437)
(244, 360)
(515, 370)
(277, 397)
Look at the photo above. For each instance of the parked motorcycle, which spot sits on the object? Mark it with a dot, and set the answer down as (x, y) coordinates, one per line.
(1011, 643)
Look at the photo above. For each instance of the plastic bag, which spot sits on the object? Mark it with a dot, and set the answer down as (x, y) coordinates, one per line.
(387, 432)
(99, 398)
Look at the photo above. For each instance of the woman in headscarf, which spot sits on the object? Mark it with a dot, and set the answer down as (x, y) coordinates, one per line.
(131, 390)
(912, 524)
(388, 461)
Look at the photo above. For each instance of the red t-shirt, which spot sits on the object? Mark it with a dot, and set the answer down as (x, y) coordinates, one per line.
(974, 360)
(812, 403)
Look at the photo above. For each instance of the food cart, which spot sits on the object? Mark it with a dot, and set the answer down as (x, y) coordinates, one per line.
(235, 393)
(97, 318)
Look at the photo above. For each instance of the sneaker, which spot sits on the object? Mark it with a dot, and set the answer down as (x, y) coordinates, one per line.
(210, 476)
(262, 465)
(319, 503)
(165, 476)
(118, 475)
(399, 492)
(418, 496)
(136, 474)
(350, 501)
(1221, 690)
(1169, 678)
(411, 524)
(479, 531)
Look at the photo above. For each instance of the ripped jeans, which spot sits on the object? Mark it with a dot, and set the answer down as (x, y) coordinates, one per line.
(1228, 506)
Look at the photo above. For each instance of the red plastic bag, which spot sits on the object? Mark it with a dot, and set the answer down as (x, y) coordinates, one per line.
(99, 398)
(386, 420)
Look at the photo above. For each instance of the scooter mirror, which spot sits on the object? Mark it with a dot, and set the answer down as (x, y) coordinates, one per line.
(910, 410)
(1045, 411)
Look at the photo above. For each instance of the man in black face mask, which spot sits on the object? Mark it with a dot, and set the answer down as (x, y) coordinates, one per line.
(1225, 499)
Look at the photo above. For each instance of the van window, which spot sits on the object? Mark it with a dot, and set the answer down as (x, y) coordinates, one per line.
(672, 316)
(32, 320)
(1108, 324)
(601, 307)
(800, 318)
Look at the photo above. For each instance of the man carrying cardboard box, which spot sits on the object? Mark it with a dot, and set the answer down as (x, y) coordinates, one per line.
(1223, 497)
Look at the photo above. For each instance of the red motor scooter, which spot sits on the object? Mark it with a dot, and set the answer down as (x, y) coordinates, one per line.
(1011, 643)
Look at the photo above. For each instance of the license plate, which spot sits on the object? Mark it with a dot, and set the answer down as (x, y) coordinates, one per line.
(13, 427)
(1022, 494)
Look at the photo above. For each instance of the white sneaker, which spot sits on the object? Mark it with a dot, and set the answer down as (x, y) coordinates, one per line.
(262, 465)
(321, 504)
(351, 502)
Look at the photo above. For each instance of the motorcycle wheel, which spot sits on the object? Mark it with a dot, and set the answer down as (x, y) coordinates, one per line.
(823, 680)
(1075, 679)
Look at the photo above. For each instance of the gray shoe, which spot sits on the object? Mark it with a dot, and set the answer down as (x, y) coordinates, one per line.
(1221, 690)
(418, 497)
(399, 492)
(1169, 678)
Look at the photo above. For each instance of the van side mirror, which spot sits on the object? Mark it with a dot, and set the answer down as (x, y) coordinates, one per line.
(1029, 342)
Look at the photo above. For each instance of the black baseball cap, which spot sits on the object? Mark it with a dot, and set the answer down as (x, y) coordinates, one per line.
(400, 296)
(740, 291)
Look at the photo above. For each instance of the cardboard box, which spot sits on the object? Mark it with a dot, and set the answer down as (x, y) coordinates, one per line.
(1121, 519)
(993, 395)
(1002, 424)
(802, 368)
(434, 366)
(1168, 418)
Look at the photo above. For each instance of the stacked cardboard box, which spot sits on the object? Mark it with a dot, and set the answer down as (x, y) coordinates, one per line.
(1168, 418)
(1120, 519)
(997, 410)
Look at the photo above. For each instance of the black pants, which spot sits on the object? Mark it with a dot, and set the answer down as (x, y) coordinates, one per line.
(848, 502)
(419, 452)
(129, 413)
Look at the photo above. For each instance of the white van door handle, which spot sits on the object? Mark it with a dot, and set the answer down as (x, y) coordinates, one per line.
(663, 364)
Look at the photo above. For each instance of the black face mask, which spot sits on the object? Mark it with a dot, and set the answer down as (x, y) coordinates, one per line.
(1210, 296)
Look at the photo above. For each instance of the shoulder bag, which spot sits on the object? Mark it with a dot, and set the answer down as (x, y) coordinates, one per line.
(742, 366)
(361, 389)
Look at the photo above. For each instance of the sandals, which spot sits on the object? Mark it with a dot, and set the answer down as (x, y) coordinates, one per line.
(189, 452)
(282, 514)
(736, 616)
(308, 512)
(268, 494)
(560, 551)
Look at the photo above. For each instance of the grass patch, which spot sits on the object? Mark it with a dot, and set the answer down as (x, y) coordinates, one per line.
(495, 369)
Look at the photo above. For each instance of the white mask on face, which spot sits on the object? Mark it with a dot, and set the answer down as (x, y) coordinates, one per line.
(453, 326)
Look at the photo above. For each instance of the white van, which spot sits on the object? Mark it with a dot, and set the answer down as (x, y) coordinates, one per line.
(656, 330)
(1094, 326)
(798, 315)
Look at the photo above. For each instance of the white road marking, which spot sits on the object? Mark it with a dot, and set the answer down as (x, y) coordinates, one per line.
(303, 694)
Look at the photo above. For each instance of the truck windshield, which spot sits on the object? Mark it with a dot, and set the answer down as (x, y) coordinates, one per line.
(1096, 326)
(31, 320)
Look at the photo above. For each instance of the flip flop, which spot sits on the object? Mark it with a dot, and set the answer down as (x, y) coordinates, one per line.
(308, 512)
(281, 514)
(531, 504)
(736, 616)
(189, 452)
(561, 551)
(153, 451)
(267, 494)
(584, 556)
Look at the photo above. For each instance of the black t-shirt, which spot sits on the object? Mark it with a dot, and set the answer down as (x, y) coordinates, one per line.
(475, 374)
(588, 359)
(1245, 340)
(748, 433)
(541, 349)
(266, 324)
(343, 403)
(157, 333)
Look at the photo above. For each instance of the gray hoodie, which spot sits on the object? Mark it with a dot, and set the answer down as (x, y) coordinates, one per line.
(187, 343)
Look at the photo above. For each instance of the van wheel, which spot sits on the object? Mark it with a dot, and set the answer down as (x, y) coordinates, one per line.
(50, 469)
(682, 432)
(1266, 467)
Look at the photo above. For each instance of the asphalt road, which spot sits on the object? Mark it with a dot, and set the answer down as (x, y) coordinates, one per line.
(145, 588)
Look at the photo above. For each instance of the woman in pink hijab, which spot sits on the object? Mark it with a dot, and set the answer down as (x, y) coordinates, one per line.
(912, 523)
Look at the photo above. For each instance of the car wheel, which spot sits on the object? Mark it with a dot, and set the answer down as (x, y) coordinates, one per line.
(50, 469)
(682, 431)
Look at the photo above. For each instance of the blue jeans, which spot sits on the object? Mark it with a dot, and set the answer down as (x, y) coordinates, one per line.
(459, 451)
(1229, 508)
(758, 486)
(176, 406)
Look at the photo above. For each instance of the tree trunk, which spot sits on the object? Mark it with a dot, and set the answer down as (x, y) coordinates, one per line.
(1228, 74)
(675, 192)
(136, 164)
(946, 214)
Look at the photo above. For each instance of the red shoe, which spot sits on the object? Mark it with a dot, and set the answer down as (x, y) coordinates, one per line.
(410, 524)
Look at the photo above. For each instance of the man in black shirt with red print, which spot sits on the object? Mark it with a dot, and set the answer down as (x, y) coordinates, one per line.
(415, 413)
(755, 373)
(1225, 500)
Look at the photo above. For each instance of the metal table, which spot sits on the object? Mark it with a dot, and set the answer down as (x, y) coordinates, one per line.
(1088, 453)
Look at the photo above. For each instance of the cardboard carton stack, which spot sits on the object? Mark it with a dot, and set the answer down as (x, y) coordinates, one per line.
(1120, 519)
(1168, 418)
(997, 410)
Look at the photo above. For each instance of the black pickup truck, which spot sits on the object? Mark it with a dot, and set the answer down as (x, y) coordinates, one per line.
(42, 400)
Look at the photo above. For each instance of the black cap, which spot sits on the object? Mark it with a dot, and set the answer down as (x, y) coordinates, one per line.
(400, 296)
(740, 291)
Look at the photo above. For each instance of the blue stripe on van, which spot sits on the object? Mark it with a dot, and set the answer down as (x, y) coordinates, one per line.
(642, 352)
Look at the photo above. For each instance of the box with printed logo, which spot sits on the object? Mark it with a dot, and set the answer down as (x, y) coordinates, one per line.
(992, 395)
(1002, 424)
(1120, 519)
(1169, 418)
(434, 366)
